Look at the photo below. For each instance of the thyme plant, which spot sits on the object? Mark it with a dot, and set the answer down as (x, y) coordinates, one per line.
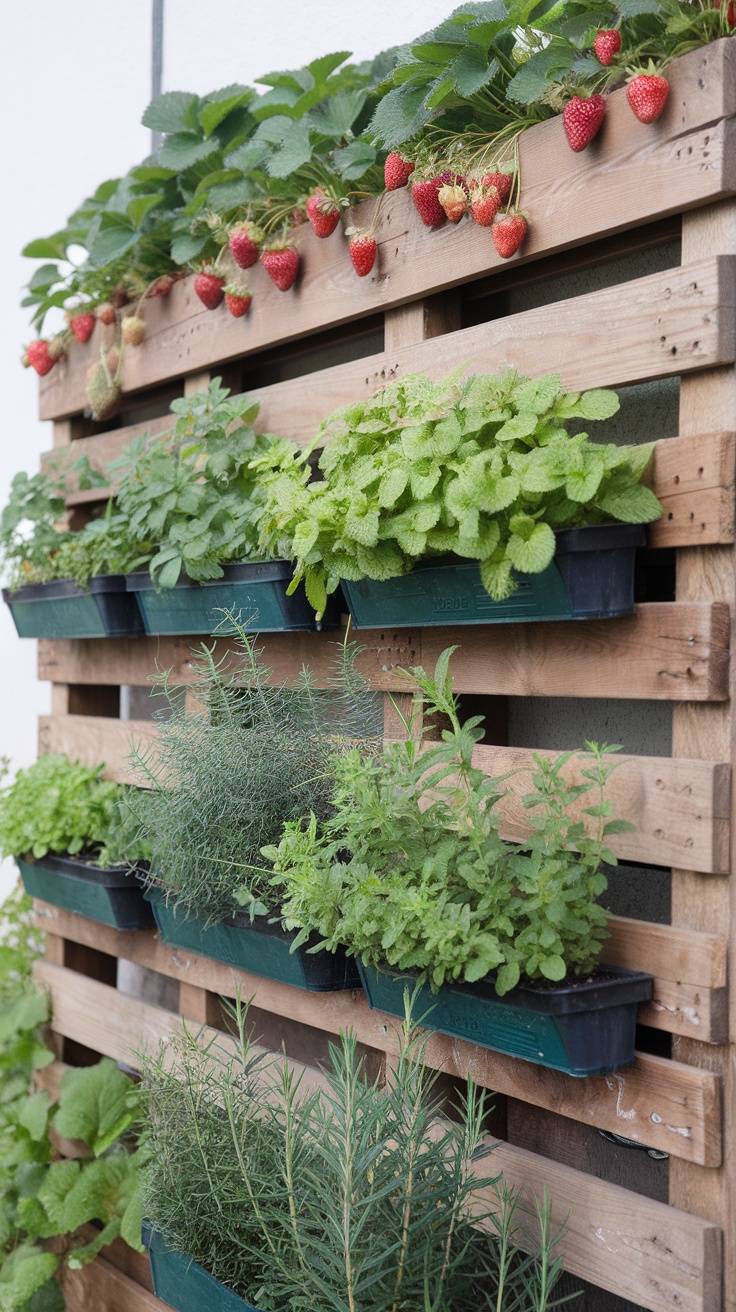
(352, 1197)
(410, 868)
(235, 762)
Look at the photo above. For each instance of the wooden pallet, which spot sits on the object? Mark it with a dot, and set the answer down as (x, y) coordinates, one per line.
(637, 187)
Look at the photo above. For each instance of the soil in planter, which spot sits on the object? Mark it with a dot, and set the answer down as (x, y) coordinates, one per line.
(587, 1028)
(259, 947)
(112, 896)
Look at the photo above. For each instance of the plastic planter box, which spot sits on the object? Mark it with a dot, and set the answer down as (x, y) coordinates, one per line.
(63, 610)
(113, 896)
(591, 577)
(260, 948)
(184, 1285)
(582, 1029)
(254, 593)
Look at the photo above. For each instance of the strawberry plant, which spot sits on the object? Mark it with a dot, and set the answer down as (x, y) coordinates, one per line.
(482, 467)
(410, 869)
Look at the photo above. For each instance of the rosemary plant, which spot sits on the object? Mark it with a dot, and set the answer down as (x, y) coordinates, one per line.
(351, 1197)
(236, 761)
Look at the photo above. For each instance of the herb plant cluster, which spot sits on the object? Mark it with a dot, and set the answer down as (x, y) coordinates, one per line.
(352, 1199)
(47, 1202)
(238, 170)
(57, 806)
(482, 467)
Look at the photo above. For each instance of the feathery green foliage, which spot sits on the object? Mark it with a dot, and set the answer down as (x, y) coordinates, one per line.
(223, 779)
(410, 869)
(349, 1198)
(482, 467)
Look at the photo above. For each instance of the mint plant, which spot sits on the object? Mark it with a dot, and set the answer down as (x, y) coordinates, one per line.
(410, 869)
(56, 806)
(482, 467)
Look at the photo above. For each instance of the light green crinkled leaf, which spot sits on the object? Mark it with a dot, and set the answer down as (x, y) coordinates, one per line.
(600, 403)
(517, 428)
(95, 1105)
(23, 1013)
(25, 1271)
(364, 528)
(582, 485)
(536, 395)
(497, 578)
(132, 1221)
(34, 1114)
(314, 587)
(508, 977)
(553, 967)
(533, 554)
(392, 485)
(634, 505)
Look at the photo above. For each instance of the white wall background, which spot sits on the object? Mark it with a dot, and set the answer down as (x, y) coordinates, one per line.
(76, 81)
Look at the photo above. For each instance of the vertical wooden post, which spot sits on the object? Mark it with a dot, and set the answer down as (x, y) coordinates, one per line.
(708, 402)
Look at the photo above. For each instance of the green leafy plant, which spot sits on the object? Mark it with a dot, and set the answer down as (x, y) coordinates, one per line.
(482, 467)
(47, 1202)
(232, 764)
(56, 806)
(410, 870)
(194, 492)
(357, 1198)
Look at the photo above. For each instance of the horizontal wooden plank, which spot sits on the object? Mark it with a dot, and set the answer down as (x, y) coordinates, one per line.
(632, 174)
(667, 651)
(602, 1223)
(661, 1103)
(694, 478)
(680, 807)
(667, 323)
(100, 1287)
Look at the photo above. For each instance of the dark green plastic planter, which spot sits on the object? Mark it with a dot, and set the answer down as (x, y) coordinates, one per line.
(260, 948)
(254, 593)
(591, 577)
(581, 1029)
(184, 1285)
(62, 610)
(112, 896)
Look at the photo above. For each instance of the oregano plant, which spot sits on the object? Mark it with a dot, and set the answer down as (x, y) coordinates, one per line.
(410, 870)
(483, 467)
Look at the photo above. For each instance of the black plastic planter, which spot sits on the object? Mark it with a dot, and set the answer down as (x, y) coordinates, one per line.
(254, 593)
(61, 609)
(591, 577)
(581, 1029)
(261, 948)
(184, 1285)
(114, 897)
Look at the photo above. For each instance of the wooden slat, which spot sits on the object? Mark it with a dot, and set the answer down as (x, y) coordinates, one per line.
(664, 651)
(657, 1102)
(100, 1287)
(680, 808)
(631, 175)
(694, 478)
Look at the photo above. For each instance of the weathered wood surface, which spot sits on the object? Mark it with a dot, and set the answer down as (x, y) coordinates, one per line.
(630, 175)
(102, 1288)
(657, 1102)
(664, 651)
(680, 809)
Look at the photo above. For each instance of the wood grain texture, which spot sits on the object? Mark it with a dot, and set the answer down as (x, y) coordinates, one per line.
(630, 175)
(657, 1102)
(100, 1287)
(664, 651)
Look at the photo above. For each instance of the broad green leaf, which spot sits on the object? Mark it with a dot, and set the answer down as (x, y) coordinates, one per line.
(95, 1105)
(635, 505)
(182, 149)
(471, 70)
(174, 111)
(216, 106)
(532, 555)
(600, 403)
(142, 205)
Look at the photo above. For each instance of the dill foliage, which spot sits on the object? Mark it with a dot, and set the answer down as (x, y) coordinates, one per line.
(242, 756)
(354, 1196)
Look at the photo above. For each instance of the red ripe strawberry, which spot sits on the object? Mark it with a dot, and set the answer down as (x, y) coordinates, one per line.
(731, 13)
(453, 200)
(237, 301)
(105, 312)
(582, 119)
(209, 289)
(38, 356)
(323, 214)
(485, 203)
(397, 171)
(647, 94)
(426, 202)
(363, 251)
(502, 181)
(508, 234)
(282, 265)
(82, 325)
(243, 243)
(607, 45)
